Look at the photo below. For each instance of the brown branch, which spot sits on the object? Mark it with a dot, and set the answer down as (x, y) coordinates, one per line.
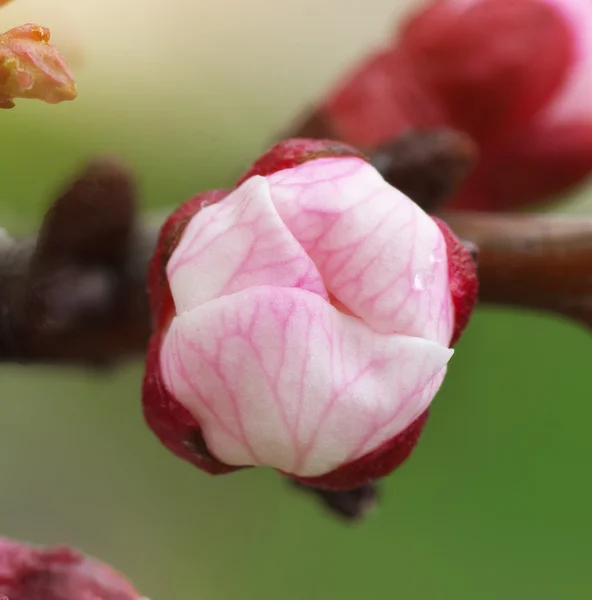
(541, 262)
(77, 293)
(426, 165)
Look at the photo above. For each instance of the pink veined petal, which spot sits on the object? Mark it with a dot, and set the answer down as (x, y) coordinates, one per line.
(238, 243)
(378, 253)
(279, 377)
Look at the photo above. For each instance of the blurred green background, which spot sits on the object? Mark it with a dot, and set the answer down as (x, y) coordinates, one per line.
(495, 502)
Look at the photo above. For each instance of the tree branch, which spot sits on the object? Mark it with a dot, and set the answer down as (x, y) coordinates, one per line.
(541, 262)
(77, 293)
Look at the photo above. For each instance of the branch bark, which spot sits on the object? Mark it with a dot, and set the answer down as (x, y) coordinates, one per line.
(77, 292)
(532, 262)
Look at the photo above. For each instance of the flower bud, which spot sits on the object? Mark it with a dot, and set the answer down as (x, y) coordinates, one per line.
(31, 573)
(303, 320)
(30, 67)
(516, 75)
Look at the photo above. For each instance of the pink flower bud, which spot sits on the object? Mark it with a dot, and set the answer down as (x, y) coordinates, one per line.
(304, 320)
(516, 75)
(31, 573)
(30, 67)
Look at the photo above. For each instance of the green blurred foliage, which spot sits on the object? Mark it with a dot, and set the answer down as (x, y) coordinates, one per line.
(494, 503)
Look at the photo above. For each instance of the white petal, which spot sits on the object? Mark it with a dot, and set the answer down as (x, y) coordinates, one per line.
(378, 252)
(235, 244)
(279, 377)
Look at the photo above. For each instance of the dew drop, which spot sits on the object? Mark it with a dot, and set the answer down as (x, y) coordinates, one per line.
(423, 280)
(437, 256)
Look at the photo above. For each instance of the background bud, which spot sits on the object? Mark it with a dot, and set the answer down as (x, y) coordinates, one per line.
(32, 573)
(30, 67)
(515, 75)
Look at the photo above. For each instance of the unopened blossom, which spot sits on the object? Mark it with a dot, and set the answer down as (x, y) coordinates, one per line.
(304, 320)
(31, 67)
(29, 572)
(516, 75)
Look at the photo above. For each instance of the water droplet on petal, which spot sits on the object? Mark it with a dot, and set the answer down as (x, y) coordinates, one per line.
(423, 280)
(437, 256)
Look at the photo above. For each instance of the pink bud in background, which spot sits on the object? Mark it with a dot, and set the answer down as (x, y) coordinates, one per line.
(516, 75)
(303, 320)
(30, 67)
(31, 573)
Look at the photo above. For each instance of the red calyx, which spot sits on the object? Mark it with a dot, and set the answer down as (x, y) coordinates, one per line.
(172, 423)
(463, 280)
(31, 573)
(293, 152)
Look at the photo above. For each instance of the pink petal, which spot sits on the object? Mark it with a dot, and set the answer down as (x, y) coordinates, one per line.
(574, 100)
(378, 253)
(279, 377)
(238, 243)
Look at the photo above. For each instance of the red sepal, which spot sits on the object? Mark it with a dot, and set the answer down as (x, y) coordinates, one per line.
(292, 152)
(172, 423)
(462, 278)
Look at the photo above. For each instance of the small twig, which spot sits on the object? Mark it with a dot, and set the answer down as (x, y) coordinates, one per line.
(77, 293)
(426, 165)
(541, 262)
